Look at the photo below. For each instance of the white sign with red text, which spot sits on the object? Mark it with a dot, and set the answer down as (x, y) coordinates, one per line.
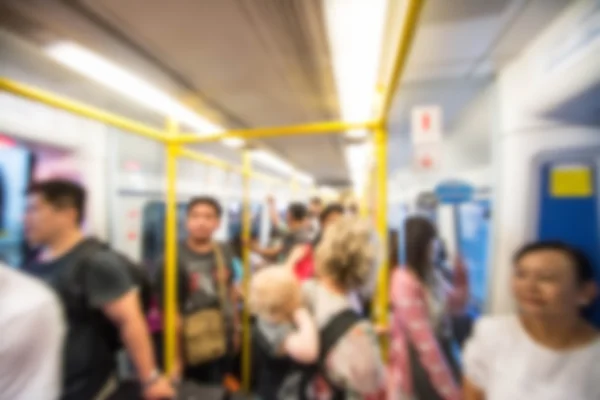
(426, 125)
(427, 157)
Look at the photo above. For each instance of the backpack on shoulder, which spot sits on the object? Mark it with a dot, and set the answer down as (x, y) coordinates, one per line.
(75, 289)
(280, 370)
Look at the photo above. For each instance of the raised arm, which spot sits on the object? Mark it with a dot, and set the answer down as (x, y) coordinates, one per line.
(303, 344)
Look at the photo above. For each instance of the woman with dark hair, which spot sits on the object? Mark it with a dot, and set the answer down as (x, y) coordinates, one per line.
(547, 351)
(419, 367)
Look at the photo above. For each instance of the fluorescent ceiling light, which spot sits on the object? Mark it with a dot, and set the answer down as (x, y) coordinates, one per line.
(304, 178)
(357, 134)
(355, 30)
(271, 161)
(233, 142)
(126, 83)
(328, 191)
(358, 157)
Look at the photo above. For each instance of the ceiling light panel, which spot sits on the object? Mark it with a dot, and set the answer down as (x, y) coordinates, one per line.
(103, 71)
(355, 30)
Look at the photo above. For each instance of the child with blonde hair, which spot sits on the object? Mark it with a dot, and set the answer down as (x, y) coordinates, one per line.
(284, 331)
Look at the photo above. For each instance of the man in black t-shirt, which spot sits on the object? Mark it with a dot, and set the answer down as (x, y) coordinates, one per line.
(107, 293)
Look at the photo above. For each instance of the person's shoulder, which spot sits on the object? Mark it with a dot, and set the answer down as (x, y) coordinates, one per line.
(25, 292)
(108, 258)
(497, 323)
(403, 282)
(497, 331)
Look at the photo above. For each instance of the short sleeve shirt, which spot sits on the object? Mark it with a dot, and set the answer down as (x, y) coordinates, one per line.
(503, 361)
(89, 361)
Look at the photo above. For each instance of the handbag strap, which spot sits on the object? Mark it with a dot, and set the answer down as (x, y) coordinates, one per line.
(221, 274)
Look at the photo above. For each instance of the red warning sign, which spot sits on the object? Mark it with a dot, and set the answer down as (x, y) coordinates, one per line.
(426, 125)
(426, 122)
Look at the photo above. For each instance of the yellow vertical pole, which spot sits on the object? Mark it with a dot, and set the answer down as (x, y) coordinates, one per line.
(246, 233)
(170, 269)
(381, 313)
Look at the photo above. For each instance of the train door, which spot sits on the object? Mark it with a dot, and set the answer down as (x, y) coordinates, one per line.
(568, 203)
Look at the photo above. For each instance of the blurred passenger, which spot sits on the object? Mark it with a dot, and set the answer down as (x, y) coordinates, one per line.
(328, 216)
(353, 209)
(205, 288)
(285, 332)
(32, 330)
(96, 290)
(256, 261)
(345, 262)
(296, 241)
(547, 351)
(419, 366)
(314, 214)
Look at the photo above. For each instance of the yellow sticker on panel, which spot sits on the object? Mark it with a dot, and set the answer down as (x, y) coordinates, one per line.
(571, 181)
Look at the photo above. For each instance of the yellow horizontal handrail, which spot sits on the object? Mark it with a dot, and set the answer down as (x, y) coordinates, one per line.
(218, 163)
(318, 128)
(81, 109)
(206, 159)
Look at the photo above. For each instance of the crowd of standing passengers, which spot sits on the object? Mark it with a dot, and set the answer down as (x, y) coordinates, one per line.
(63, 318)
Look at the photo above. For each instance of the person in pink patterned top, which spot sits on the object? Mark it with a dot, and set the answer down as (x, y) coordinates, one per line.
(418, 367)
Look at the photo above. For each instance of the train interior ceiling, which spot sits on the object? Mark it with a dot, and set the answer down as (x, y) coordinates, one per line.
(512, 87)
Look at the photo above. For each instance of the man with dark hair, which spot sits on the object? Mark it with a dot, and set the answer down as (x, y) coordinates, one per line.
(104, 292)
(206, 201)
(200, 282)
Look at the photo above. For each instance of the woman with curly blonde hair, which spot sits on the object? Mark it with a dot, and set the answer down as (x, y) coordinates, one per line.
(345, 262)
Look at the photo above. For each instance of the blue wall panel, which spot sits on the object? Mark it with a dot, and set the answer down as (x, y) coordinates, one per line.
(573, 220)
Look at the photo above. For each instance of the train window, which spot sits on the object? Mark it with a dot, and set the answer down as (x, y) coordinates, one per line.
(234, 219)
(15, 175)
(473, 225)
(153, 229)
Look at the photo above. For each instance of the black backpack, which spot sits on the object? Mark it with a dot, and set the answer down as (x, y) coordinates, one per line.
(279, 368)
(74, 291)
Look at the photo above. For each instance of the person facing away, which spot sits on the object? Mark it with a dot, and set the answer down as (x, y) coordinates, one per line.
(33, 330)
(418, 365)
(328, 216)
(547, 350)
(295, 240)
(345, 262)
(55, 211)
(198, 282)
(285, 332)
